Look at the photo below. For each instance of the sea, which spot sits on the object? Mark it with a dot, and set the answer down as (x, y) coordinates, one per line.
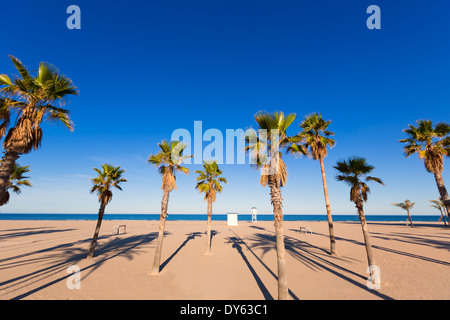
(215, 217)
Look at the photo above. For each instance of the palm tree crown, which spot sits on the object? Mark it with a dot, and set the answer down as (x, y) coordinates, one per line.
(431, 143)
(209, 179)
(169, 160)
(407, 205)
(353, 172)
(266, 144)
(107, 178)
(32, 98)
(316, 136)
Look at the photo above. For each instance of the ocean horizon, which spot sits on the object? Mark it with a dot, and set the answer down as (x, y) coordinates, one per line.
(202, 217)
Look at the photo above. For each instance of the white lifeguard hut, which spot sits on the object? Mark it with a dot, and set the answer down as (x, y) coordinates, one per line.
(254, 214)
(232, 219)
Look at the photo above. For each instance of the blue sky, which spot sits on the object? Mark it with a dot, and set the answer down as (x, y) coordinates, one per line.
(146, 68)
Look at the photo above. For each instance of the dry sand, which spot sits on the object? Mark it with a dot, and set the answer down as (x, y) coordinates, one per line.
(35, 256)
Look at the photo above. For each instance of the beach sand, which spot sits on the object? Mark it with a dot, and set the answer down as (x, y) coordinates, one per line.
(35, 257)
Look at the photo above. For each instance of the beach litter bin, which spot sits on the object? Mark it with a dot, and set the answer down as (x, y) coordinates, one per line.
(232, 219)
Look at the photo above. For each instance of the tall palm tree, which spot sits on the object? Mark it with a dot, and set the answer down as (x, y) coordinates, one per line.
(108, 177)
(407, 206)
(208, 182)
(16, 180)
(431, 143)
(316, 138)
(265, 146)
(353, 171)
(29, 99)
(168, 160)
(438, 204)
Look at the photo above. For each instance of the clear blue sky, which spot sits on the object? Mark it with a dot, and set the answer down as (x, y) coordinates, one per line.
(146, 68)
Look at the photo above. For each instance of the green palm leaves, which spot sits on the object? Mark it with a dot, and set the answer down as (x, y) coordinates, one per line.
(406, 205)
(108, 177)
(430, 142)
(169, 160)
(16, 181)
(316, 136)
(32, 98)
(266, 144)
(209, 179)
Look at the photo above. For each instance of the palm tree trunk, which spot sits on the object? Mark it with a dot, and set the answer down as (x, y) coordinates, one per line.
(101, 212)
(442, 192)
(442, 217)
(162, 223)
(275, 192)
(410, 220)
(333, 250)
(6, 167)
(365, 230)
(208, 229)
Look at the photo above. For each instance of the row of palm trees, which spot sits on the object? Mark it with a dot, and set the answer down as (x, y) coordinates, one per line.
(29, 99)
(407, 205)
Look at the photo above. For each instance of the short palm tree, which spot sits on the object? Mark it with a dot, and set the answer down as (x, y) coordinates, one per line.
(355, 172)
(168, 160)
(316, 138)
(431, 143)
(108, 177)
(16, 180)
(265, 146)
(438, 204)
(208, 182)
(30, 99)
(407, 206)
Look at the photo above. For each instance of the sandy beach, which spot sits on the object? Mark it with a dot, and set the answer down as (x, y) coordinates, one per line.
(35, 257)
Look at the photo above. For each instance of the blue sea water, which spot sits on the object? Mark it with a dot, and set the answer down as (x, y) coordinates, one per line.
(202, 217)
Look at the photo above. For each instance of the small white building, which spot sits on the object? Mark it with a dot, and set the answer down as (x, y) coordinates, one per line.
(232, 219)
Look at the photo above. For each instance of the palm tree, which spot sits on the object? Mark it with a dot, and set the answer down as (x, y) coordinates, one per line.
(316, 137)
(108, 177)
(265, 147)
(438, 204)
(168, 160)
(407, 205)
(31, 99)
(16, 180)
(431, 143)
(208, 182)
(353, 172)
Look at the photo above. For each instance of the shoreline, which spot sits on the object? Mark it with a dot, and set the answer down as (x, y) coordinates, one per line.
(202, 217)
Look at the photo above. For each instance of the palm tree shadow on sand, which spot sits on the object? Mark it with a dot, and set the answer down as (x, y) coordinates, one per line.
(190, 236)
(65, 255)
(237, 243)
(313, 257)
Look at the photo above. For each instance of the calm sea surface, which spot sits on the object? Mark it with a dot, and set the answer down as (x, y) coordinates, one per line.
(202, 217)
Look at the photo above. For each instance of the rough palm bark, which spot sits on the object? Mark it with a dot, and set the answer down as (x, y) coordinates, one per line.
(6, 168)
(101, 212)
(162, 224)
(442, 191)
(276, 198)
(365, 231)
(208, 228)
